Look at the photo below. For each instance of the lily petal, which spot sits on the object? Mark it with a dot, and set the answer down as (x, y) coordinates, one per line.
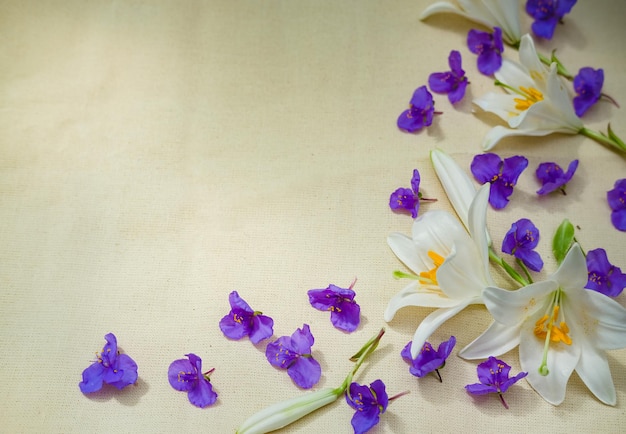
(431, 323)
(496, 340)
(418, 295)
(457, 276)
(512, 307)
(604, 319)
(573, 271)
(593, 369)
(478, 229)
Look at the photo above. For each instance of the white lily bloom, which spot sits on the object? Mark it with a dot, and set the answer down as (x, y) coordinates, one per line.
(490, 13)
(537, 102)
(453, 267)
(560, 327)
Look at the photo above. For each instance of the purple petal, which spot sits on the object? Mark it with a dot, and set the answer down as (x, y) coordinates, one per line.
(363, 392)
(422, 98)
(321, 299)
(280, 353)
(489, 62)
(446, 347)
(485, 167)
(128, 368)
(410, 123)
(92, 378)
(422, 369)
(545, 28)
(181, 375)
(415, 181)
(378, 387)
(441, 82)
(598, 261)
(202, 395)
(262, 328)
(617, 196)
(477, 40)
(302, 340)
(234, 326)
(618, 218)
(530, 258)
(305, 372)
(457, 94)
(513, 167)
(526, 233)
(480, 389)
(493, 371)
(508, 383)
(454, 61)
(236, 302)
(497, 39)
(363, 421)
(499, 194)
(404, 199)
(347, 317)
(509, 242)
(564, 7)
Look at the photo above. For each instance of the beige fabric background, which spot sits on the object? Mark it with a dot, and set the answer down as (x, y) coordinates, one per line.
(156, 155)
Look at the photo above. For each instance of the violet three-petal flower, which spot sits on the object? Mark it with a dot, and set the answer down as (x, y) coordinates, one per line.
(407, 199)
(588, 86)
(345, 313)
(553, 178)
(547, 14)
(520, 241)
(112, 368)
(452, 82)
(293, 353)
(369, 403)
(604, 277)
(493, 375)
(488, 46)
(186, 375)
(502, 175)
(617, 202)
(428, 360)
(420, 112)
(243, 321)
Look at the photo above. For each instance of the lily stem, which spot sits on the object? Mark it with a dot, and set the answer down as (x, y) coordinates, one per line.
(611, 140)
(510, 271)
(524, 269)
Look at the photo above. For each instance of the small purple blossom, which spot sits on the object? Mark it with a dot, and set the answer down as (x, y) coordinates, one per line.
(547, 13)
(113, 368)
(493, 375)
(345, 313)
(604, 277)
(186, 375)
(452, 82)
(369, 403)
(420, 112)
(243, 321)
(588, 86)
(553, 178)
(617, 202)
(520, 241)
(489, 48)
(502, 175)
(408, 199)
(428, 360)
(293, 353)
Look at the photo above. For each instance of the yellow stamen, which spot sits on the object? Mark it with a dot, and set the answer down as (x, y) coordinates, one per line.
(432, 273)
(531, 95)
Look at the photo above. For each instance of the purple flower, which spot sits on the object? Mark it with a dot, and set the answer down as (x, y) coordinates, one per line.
(113, 368)
(489, 48)
(407, 199)
(369, 403)
(345, 313)
(452, 82)
(547, 13)
(243, 321)
(617, 202)
(493, 375)
(588, 86)
(428, 360)
(520, 241)
(502, 175)
(552, 177)
(420, 112)
(186, 375)
(603, 276)
(294, 354)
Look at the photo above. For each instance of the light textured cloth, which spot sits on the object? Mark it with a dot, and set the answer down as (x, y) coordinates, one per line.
(157, 155)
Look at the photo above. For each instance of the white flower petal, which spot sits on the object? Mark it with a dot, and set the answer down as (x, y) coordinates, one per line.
(500, 104)
(431, 323)
(496, 340)
(506, 12)
(602, 320)
(442, 7)
(530, 59)
(561, 361)
(593, 369)
(512, 307)
(461, 274)
(437, 230)
(499, 132)
(514, 74)
(572, 274)
(457, 184)
(558, 94)
(416, 294)
(478, 230)
(414, 257)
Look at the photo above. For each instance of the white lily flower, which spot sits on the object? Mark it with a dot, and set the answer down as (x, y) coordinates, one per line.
(560, 327)
(537, 102)
(452, 267)
(490, 13)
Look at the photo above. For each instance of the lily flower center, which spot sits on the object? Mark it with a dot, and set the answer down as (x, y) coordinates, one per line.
(432, 273)
(552, 328)
(531, 96)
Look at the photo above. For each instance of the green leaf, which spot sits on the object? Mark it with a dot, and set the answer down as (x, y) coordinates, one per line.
(614, 137)
(563, 239)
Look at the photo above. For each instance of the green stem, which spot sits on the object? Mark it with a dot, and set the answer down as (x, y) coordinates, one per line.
(510, 271)
(524, 269)
(559, 66)
(610, 140)
(360, 357)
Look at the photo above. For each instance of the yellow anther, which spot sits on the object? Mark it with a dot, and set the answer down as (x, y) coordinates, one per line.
(558, 332)
(437, 260)
(532, 96)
